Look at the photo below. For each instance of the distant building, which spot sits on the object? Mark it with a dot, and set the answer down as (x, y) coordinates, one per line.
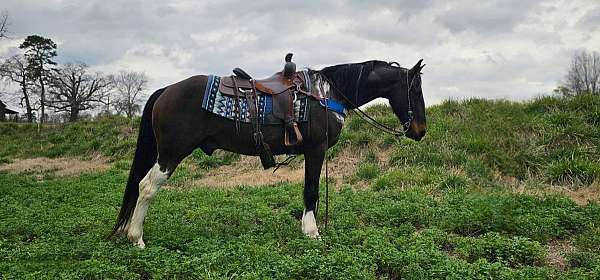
(5, 111)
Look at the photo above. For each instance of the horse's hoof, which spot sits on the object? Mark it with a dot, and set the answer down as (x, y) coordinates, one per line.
(140, 244)
(313, 234)
(309, 225)
(136, 239)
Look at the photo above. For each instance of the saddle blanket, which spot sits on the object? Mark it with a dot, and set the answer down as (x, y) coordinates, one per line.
(217, 103)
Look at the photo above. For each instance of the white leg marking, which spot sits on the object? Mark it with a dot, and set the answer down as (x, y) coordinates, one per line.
(148, 188)
(309, 224)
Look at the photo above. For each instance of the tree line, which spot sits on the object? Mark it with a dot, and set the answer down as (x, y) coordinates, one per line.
(583, 75)
(68, 89)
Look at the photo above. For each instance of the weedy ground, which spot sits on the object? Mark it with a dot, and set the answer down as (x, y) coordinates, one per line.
(496, 190)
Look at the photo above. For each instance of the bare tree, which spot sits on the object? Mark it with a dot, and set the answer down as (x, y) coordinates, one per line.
(584, 73)
(73, 89)
(128, 87)
(15, 70)
(3, 24)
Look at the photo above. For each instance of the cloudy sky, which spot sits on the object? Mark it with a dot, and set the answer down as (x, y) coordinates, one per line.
(513, 49)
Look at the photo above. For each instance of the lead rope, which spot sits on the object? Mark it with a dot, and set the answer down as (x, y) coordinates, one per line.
(363, 115)
(326, 220)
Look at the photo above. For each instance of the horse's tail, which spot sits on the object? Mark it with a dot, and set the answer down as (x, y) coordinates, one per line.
(144, 159)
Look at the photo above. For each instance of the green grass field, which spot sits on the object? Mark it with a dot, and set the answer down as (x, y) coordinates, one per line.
(496, 190)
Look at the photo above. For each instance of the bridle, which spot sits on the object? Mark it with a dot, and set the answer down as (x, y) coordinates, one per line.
(406, 125)
(370, 120)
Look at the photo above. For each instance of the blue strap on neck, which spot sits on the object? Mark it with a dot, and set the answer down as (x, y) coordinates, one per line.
(334, 106)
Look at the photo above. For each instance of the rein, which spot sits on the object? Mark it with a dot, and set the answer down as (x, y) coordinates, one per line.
(326, 164)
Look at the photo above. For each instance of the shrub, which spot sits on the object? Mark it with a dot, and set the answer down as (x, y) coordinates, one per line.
(367, 171)
(514, 252)
(478, 169)
(453, 182)
(589, 240)
(540, 219)
(593, 117)
(405, 177)
(574, 171)
(219, 158)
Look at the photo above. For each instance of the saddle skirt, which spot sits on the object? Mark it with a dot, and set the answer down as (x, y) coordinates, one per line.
(223, 104)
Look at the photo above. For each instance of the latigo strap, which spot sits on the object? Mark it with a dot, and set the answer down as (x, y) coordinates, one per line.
(265, 154)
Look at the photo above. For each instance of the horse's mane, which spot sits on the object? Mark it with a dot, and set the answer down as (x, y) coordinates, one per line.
(345, 77)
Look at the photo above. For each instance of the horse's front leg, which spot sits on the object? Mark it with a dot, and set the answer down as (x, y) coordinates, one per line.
(312, 172)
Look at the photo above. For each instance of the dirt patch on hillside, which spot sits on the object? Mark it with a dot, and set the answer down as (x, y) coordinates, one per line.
(248, 172)
(581, 195)
(557, 251)
(62, 167)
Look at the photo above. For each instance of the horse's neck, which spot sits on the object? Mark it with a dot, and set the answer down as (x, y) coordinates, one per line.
(324, 88)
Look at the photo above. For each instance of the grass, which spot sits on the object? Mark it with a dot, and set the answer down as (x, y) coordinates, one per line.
(113, 137)
(550, 139)
(253, 233)
(443, 208)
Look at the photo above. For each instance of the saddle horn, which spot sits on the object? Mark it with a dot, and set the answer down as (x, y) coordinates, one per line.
(290, 68)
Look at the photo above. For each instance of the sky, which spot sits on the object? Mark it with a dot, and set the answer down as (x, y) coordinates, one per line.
(510, 49)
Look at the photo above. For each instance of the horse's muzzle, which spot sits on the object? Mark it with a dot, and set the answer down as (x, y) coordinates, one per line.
(417, 131)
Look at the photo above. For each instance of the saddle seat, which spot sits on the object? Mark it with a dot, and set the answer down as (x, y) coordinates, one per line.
(274, 85)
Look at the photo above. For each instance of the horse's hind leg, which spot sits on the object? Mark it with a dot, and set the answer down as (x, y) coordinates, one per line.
(172, 148)
(151, 183)
(178, 125)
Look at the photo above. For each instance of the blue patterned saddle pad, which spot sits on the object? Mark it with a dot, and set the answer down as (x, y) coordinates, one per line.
(224, 106)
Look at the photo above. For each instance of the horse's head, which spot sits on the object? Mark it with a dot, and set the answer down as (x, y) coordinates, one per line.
(402, 87)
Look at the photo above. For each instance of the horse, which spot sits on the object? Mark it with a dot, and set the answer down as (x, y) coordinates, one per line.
(173, 125)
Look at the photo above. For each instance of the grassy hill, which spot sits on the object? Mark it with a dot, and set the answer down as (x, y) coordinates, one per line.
(496, 189)
(551, 140)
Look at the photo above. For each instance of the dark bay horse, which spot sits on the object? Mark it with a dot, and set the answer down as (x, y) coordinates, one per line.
(173, 124)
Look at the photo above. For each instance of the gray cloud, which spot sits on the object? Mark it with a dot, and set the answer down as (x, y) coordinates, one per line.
(511, 49)
(591, 20)
(486, 17)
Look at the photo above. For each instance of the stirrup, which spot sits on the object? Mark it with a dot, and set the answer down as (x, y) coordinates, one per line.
(297, 135)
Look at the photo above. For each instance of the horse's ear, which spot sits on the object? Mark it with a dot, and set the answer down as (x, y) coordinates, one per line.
(417, 68)
(418, 65)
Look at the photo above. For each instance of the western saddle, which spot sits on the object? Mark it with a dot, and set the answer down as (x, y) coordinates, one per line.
(283, 87)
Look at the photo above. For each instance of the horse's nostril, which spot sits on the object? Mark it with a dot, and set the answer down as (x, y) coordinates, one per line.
(419, 128)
